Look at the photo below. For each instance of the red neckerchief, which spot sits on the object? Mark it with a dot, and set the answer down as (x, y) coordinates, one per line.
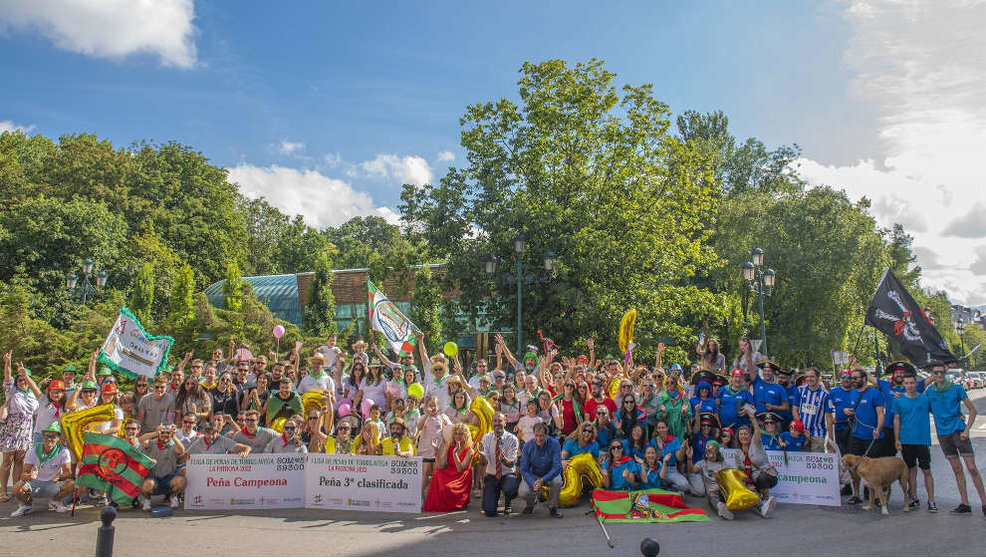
(244, 431)
(284, 438)
(668, 440)
(160, 447)
(619, 461)
(207, 444)
(57, 407)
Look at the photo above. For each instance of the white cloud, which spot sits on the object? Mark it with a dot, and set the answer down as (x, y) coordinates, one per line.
(920, 62)
(446, 157)
(409, 169)
(8, 126)
(111, 28)
(323, 201)
(291, 147)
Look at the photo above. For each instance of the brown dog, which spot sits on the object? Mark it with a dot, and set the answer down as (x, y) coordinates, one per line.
(879, 474)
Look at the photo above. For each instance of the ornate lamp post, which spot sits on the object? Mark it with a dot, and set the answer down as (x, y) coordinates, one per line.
(520, 278)
(760, 281)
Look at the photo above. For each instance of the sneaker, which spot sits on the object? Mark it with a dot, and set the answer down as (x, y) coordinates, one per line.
(724, 511)
(174, 502)
(961, 509)
(767, 506)
(58, 507)
(508, 509)
(145, 503)
(553, 512)
(528, 510)
(932, 507)
(912, 505)
(22, 510)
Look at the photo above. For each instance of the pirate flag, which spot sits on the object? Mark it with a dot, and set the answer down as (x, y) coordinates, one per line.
(894, 312)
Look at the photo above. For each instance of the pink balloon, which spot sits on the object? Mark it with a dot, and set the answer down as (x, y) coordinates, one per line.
(344, 409)
(278, 331)
(367, 403)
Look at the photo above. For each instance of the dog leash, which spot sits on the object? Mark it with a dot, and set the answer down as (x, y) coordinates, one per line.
(862, 457)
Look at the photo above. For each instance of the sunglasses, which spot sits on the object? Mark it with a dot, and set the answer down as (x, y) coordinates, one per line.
(51, 436)
(587, 430)
(131, 429)
(250, 420)
(344, 429)
(158, 387)
(570, 385)
(188, 422)
(616, 448)
(770, 422)
(286, 428)
(313, 418)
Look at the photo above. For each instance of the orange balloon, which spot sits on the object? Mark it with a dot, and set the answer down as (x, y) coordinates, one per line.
(74, 426)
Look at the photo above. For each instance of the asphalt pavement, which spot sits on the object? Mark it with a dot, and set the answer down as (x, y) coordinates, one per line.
(793, 530)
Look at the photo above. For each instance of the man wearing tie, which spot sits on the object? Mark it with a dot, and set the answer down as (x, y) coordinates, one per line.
(500, 458)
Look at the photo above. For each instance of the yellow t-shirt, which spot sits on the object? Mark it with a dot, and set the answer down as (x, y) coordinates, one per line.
(330, 445)
(405, 445)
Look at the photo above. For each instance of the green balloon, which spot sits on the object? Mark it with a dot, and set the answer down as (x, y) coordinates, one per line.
(450, 349)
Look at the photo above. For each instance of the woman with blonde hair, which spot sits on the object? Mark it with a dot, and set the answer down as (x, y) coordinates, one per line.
(368, 442)
(450, 483)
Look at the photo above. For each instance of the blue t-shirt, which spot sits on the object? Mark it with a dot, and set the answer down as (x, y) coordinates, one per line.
(841, 399)
(700, 406)
(915, 421)
(792, 400)
(634, 451)
(866, 414)
(729, 405)
(771, 442)
(604, 437)
(947, 408)
(616, 480)
(886, 389)
(671, 446)
(768, 393)
(793, 444)
(652, 478)
(573, 449)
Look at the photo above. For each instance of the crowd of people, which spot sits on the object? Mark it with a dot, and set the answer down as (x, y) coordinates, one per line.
(644, 426)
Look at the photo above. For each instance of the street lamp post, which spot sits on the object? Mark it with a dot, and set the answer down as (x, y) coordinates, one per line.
(760, 281)
(71, 280)
(960, 329)
(520, 279)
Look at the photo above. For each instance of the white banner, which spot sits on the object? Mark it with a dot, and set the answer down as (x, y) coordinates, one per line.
(363, 482)
(806, 478)
(128, 348)
(229, 482)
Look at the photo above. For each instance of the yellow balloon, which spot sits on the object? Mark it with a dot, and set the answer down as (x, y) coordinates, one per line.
(583, 470)
(732, 485)
(311, 400)
(614, 388)
(625, 334)
(74, 426)
(278, 424)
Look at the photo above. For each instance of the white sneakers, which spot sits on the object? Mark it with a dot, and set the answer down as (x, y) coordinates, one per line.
(145, 503)
(24, 509)
(724, 511)
(767, 506)
(174, 502)
(58, 507)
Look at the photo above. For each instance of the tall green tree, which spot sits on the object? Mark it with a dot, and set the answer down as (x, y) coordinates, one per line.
(232, 288)
(181, 307)
(426, 305)
(142, 299)
(590, 171)
(320, 310)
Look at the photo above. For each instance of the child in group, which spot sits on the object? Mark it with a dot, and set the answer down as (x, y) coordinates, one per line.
(525, 426)
(429, 429)
(375, 413)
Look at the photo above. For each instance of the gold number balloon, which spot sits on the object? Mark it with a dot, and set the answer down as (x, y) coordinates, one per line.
(278, 424)
(311, 400)
(732, 486)
(484, 412)
(74, 426)
(583, 470)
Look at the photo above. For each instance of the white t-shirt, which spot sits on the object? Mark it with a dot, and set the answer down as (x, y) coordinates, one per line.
(46, 415)
(526, 426)
(47, 472)
(376, 392)
(330, 355)
(102, 427)
(323, 382)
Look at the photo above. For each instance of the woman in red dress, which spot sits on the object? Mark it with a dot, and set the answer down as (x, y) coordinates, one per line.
(450, 484)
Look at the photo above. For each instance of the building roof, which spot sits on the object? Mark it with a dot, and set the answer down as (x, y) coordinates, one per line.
(278, 292)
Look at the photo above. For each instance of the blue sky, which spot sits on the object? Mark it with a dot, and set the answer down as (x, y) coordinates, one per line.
(327, 107)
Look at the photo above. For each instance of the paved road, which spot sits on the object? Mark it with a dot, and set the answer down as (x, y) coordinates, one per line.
(793, 530)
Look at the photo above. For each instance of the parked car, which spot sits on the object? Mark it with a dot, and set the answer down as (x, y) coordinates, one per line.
(974, 380)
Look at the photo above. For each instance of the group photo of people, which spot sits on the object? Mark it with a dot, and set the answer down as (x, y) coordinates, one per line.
(496, 435)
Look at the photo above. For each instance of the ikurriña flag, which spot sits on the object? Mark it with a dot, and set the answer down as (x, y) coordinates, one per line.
(895, 313)
(112, 465)
(643, 506)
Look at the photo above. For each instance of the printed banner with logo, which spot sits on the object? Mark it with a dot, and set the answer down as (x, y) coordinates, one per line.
(387, 318)
(130, 350)
(363, 482)
(230, 482)
(804, 478)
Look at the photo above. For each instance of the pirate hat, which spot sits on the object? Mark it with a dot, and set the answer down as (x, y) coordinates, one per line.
(703, 375)
(904, 365)
(709, 418)
(773, 365)
(769, 415)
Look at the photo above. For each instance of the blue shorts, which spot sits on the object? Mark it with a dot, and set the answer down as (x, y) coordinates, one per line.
(162, 485)
(44, 489)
